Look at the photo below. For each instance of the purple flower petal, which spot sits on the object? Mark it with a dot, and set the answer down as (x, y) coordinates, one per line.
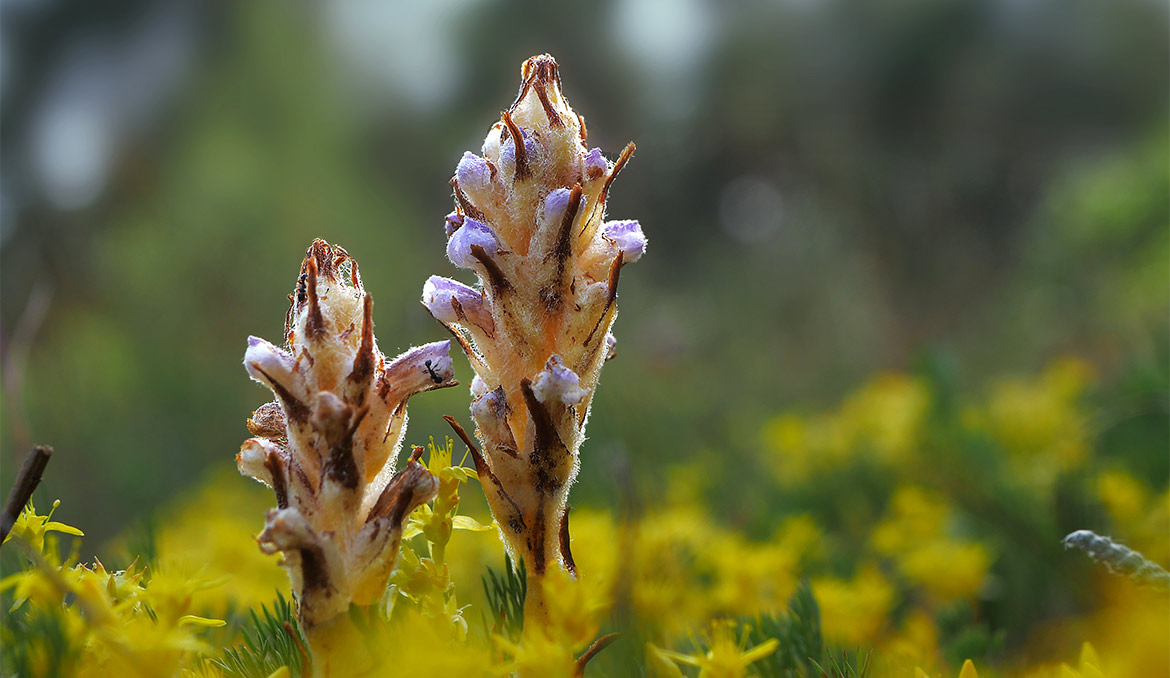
(627, 237)
(558, 382)
(452, 302)
(554, 206)
(453, 223)
(472, 233)
(595, 164)
(268, 364)
(473, 173)
(478, 387)
(422, 368)
(508, 150)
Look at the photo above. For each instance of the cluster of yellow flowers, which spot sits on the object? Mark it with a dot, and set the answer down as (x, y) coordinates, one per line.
(690, 589)
(88, 621)
(923, 553)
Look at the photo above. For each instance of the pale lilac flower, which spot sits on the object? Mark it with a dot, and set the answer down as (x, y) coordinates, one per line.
(453, 302)
(627, 237)
(460, 248)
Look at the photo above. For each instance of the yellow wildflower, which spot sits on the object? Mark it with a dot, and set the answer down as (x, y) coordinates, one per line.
(726, 655)
(1039, 421)
(914, 536)
(886, 415)
(854, 612)
(212, 528)
(32, 528)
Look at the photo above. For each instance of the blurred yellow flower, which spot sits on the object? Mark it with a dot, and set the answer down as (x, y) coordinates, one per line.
(914, 536)
(856, 611)
(886, 415)
(1039, 421)
(214, 528)
(726, 655)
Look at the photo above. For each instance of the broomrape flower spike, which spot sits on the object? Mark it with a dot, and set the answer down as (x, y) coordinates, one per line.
(1119, 558)
(328, 443)
(528, 221)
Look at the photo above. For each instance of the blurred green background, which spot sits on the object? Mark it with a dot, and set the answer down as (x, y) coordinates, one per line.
(830, 189)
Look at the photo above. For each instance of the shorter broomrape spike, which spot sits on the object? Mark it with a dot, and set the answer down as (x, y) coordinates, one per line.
(328, 443)
(548, 267)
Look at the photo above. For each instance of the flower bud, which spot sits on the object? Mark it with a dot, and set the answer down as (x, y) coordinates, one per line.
(627, 237)
(460, 248)
(453, 302)
(558, 383)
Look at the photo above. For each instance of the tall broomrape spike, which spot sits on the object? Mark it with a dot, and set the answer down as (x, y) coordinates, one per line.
(529, 223)
(327, 444)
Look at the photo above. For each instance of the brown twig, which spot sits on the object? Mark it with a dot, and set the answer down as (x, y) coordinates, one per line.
(597, 646)
(14, 354)
(26, 481)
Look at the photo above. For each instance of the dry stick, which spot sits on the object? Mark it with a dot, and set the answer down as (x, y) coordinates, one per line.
(597, 646)
(26, 481)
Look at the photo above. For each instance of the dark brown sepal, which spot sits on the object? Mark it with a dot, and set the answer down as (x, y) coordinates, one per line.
(536, 538)
(495, 274)
(363, 362)
(523, 171)
(464, 204)
(515, 522)
(566, 551)
(314, 571)
(315, 323)
(597, 646)
(296, 410)
(564, 243)
(341, 466)
(554, 118)
(409, 488)
(615, 270)
(275, 465)
(548, 450)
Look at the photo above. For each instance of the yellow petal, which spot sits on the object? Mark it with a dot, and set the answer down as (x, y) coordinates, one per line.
(968, 670)
(468, 523)
(760, 651)
(660, 664)
(200, 621)
(1089, 658)
(282, 672)
(62, 527)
